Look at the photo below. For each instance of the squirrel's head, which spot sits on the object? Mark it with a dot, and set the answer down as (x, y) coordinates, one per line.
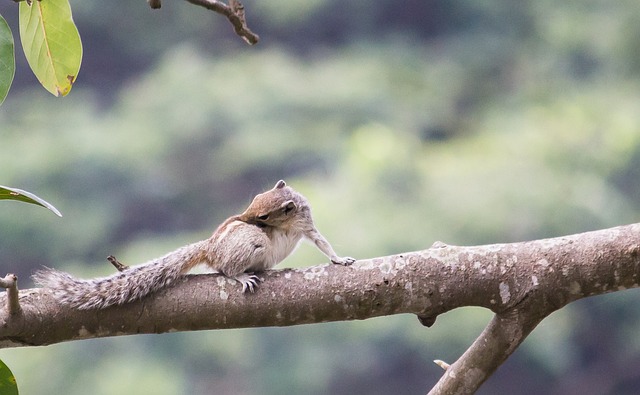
(273, 207)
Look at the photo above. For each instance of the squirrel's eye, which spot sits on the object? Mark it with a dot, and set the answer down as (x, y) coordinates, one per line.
(263, 217)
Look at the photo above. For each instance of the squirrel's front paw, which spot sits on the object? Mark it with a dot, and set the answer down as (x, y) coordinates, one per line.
(344, 261)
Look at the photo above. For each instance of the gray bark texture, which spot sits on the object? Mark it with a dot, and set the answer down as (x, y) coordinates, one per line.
(521, 283)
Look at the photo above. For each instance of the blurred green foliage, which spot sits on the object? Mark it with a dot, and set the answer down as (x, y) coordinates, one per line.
(403, 123)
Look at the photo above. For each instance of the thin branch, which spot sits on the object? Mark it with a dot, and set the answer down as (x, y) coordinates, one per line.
(496, 343)
(117, 264)
(234, 13)
(10, 283)
(442, 364)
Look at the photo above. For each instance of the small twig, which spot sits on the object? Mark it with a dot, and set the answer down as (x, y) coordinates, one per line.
(234, 13)
(118, 265)
(442, 364)
(498, 340)
(238, 9)
(10, 283)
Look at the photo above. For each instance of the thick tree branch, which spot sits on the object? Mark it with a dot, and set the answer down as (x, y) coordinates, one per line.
(521, 282)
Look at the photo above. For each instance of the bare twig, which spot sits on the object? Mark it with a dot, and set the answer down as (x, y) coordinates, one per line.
(10, 283)
(118, 265)
(442, 364)
(234, 13)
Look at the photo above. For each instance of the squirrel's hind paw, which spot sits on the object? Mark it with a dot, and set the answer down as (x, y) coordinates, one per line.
(249, 281)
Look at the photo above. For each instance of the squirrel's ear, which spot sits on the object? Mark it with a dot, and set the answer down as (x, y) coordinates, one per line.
(288, 206)
(280, 184)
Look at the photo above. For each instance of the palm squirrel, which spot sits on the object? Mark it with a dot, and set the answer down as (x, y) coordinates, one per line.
(254, 241)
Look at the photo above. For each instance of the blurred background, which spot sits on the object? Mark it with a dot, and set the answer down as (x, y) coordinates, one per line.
(403, 122)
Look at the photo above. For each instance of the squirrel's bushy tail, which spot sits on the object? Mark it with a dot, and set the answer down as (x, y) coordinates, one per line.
(122, 287)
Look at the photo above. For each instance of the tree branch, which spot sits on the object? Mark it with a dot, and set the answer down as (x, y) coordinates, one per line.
(499, 339)
(234, 13)
(521, 283)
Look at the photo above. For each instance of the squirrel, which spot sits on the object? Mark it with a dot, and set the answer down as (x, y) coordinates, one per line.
(254, 241)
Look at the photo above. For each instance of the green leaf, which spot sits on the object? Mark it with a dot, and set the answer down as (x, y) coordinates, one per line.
(51, 43)
(7, 59)
(28, 197)
(8, 385)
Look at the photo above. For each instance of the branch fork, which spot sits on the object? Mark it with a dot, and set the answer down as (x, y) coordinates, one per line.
(522, 283)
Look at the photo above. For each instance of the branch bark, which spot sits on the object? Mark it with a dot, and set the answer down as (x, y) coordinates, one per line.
(521, 283)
